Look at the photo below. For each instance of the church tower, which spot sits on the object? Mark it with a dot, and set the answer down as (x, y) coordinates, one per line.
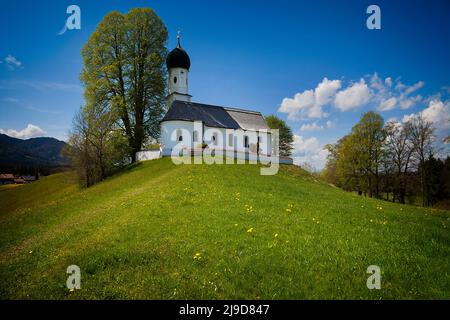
(178, 64)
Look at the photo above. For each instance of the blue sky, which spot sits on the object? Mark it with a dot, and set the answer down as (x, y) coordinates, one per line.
(270, 56)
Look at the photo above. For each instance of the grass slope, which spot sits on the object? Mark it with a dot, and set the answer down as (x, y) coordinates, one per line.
(162, 231)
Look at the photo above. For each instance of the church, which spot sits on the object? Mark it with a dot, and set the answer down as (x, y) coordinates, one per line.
(190, 127)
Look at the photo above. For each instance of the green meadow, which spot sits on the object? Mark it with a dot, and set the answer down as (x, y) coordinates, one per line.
(160, 231)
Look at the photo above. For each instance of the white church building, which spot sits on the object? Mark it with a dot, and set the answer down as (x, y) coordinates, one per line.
(192, 128)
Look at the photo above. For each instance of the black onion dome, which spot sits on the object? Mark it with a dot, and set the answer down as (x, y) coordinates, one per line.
(178, 58)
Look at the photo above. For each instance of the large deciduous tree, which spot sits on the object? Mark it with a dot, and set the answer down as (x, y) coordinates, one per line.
(124, 71)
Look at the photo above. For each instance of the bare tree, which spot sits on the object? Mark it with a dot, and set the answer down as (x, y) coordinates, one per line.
(422, 138)
(399, 150)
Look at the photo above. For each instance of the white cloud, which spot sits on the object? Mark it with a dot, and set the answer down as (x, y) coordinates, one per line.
(309, 103)
(414, 87)
(384, 94)
(311, 127)
(388, 104)
(315, 127)
(326, 90)
(437, 112)
(387, 96)
(12, 62)
(310, 151)
(353, 97)
(30, 131)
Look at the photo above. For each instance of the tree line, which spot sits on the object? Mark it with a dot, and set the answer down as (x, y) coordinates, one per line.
(395, 161)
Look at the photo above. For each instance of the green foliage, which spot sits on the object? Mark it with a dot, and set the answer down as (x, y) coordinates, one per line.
(161, 231)
(124, 71)
(285, 134)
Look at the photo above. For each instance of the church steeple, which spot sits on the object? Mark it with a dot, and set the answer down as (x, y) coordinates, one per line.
(178, 64)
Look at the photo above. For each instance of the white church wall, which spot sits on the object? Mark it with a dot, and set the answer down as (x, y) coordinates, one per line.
(170, 131)
(148, 155)
(169, 135)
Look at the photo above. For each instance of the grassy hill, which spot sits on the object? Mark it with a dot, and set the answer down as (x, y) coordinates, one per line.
(162, 231)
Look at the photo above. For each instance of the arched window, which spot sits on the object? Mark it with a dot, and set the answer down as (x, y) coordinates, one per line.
(214, 138)
(175, 79)
(179, 135)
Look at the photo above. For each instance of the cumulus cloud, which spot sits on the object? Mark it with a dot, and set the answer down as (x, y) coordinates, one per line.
(437, 112)
(309, 151)
(12, 62)
(30, 131)
(355, 96)
(309, 103)
(387, 95)
(383, 94)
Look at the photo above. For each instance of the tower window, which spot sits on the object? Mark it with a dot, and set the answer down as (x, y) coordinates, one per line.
(175, 80)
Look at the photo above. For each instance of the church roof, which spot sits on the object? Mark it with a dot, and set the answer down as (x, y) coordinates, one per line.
(216, 116)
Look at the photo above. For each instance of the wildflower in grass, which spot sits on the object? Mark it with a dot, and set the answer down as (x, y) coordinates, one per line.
(250, 230)
(197, 256)
(371, 220)
(288, 210)
(30, 252)
(276, 235)
(235, 224)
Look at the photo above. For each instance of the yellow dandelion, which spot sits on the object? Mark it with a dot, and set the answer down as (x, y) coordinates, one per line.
(250, 230)
(288, 210)
(197, 256)
(276, 235)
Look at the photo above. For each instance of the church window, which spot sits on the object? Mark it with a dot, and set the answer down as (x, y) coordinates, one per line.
(230, 140)
(179, 135)
(175, 79)
(214, 138)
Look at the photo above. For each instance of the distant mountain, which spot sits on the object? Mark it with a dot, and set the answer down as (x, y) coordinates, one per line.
(33, 152)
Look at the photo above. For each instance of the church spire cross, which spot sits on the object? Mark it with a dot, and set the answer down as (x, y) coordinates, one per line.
(178, 37)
